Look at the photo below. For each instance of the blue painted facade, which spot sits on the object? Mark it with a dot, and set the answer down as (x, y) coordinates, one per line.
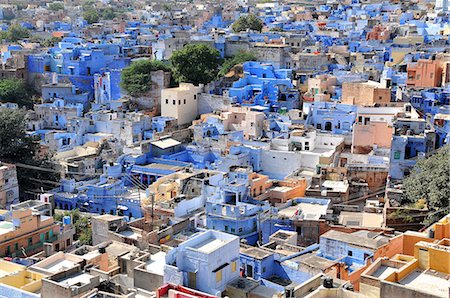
(264, 85)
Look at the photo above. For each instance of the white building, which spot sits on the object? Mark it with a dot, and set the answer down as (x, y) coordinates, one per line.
(180, 103)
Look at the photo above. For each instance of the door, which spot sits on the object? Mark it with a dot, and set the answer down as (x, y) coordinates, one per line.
(192, 280)
(249, 271)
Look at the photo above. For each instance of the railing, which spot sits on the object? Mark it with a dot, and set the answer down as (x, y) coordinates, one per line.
(33, 247)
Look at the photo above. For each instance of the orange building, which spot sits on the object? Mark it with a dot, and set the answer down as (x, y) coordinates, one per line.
(276, 192)
(424, 73)
(409, 244)
(25, 232)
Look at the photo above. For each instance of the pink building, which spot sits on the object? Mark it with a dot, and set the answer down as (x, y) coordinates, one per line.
(370, 134)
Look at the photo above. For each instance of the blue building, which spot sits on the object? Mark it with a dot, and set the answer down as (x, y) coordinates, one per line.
(264, 85)
(208, 261)
(105, 195)
(334, 117)
(235, 212)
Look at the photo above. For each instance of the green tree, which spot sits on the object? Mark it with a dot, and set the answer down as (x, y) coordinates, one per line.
(17, 91)
(16, 146)
(108, 13)
(429, 181)
(81, 223)
(247, 22)
(56, 6)
(50, 42)
(91, 16)
(136, 78)
(195, 63)
(241, 57)
(15, 33)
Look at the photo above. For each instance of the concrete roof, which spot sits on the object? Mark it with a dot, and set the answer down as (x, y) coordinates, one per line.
(256, 253)
(165, 143)
(352, 239)
(313, 261)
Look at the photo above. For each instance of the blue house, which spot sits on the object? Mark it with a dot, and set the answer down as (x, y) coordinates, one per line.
(235, 212)
(334, 117)
(264, 85)
(208, 261)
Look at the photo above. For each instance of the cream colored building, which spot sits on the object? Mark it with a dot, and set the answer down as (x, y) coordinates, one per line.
(180, 103)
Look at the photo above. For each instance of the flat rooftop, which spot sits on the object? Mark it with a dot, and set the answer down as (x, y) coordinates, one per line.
(156, 263)
(314, 261)
(209, 245)
(6, 227)
(59, 265)
(433, 283)
(307, 211)
(256, 253)
(165, 143)
(76, 280)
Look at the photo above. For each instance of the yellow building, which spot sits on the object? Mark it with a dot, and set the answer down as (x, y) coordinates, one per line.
(18, 276)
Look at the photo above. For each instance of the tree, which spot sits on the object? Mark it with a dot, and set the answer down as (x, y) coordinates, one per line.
(241, 57)
(56, 6)
(81, 223)
(136, 78)
(50, 42)
(17, 91)
(91, 16)
(108, 13)
(195, 63)
(247, 22)
(15, 33)
(429, 180)
(16, 146)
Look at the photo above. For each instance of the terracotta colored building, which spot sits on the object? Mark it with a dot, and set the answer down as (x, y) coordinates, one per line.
(378, 33)
(424, 73)
(26, 232)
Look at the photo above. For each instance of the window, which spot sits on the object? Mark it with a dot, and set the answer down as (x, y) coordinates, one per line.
(397, 155)
(184, 101)
(226, 228)
(264, 270)
(174, 102)
(233, 266)
(418, 77)
(233, 230)
(350, 253)
(167, 101)
(319, 126)
(16, 246)
(219, 276)
(195, 96)
(240, 230)
(431, 75)
(30, 241)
